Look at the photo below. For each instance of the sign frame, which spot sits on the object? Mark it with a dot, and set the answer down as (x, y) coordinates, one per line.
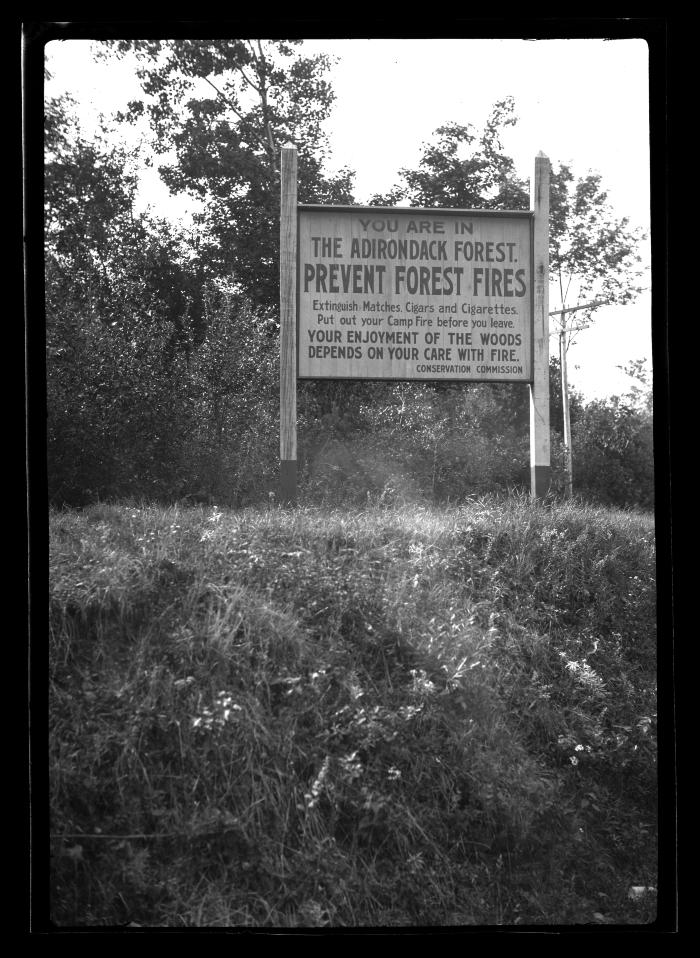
(528, 215)
(538, 214)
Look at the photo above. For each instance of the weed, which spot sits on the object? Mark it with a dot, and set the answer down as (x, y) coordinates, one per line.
(396, 715)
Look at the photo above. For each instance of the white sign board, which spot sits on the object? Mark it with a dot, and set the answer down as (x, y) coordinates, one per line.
(414, 294)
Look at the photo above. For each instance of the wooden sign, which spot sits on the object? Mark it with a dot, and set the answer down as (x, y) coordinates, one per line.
(410, 294)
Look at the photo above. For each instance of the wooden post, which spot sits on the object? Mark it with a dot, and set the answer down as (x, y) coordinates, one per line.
(288, 324)
(540, 460)
(568, 459)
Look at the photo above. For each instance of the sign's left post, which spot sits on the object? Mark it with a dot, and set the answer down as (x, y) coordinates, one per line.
(288, 325)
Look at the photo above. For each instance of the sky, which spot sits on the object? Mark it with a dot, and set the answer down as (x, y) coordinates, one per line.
(583, 102)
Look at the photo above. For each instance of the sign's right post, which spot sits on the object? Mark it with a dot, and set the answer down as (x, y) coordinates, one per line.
(540, 461)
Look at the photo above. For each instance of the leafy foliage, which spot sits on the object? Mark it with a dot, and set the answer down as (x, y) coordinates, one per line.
(593, 255)
(103, 260)
(463, 170)
(613, 452)
(224, 107)
(161, 373)
(158, 381)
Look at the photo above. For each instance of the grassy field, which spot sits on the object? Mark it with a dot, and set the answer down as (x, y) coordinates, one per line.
(381, 717)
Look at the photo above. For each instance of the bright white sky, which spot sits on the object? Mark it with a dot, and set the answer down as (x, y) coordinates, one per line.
(579, 101)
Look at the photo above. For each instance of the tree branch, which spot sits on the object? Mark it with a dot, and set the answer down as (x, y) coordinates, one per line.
(261, 63)
(247, 80)
(252, 52)
(235, 110)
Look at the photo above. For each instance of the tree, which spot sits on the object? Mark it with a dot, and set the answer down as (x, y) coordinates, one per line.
(576, 400)
(614, 453)
(640, 392)
(161, 374)
(223, 107)
(462, 169)
(123, 313)
(593, 260)
(593, 254)
(102, 258)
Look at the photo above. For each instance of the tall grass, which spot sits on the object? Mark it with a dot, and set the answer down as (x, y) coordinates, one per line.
(386, 716)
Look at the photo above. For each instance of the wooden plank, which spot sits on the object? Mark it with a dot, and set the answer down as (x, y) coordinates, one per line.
(406, 295)
(288, 321)
(540, 461)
